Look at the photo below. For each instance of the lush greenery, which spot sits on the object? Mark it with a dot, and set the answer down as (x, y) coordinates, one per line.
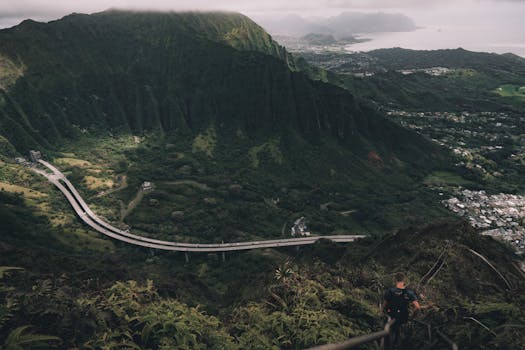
(257, 300)
(233, 188)
(472, 84)
(238, 145)
(516, 93)
(233, 137)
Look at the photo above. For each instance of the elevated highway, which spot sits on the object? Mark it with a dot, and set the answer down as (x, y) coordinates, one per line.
(91, 219)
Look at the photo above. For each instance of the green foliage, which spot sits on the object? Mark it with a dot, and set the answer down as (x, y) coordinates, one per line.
(516, 93)
(444, 178)
(300, 312)
(473, 83)
(266, 300)
(21, 339)
(149, 322)
(6, 148)
(4, 270)
(271, 148)
(205, 142)
(8, 303)
(9, 73)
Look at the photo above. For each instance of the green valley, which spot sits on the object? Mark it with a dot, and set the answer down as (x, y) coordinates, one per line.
(198, 127)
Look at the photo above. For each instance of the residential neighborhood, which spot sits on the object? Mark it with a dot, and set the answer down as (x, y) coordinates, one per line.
(501, 216)
(490, 147)
(488, 143)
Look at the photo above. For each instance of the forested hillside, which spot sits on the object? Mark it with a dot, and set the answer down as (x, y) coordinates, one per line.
(237, 143)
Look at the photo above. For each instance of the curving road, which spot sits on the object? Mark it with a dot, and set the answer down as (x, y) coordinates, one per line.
(91, 219)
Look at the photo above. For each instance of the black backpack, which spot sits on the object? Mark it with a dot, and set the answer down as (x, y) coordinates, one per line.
(398, 304)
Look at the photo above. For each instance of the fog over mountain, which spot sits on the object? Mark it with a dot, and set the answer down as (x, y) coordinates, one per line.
(491, 25)
(13, 11)
(344, 24)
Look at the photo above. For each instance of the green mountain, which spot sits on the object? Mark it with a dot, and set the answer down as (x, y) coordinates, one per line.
(214, 93)
(137, 72)
(119, 70)
(239, 144)
(396, 77)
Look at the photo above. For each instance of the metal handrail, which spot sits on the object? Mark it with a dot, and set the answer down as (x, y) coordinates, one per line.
(385, 334)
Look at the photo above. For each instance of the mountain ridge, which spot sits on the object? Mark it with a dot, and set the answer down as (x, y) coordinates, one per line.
(172, 75)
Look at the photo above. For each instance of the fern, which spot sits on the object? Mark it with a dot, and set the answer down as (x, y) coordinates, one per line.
(5, 269)
(20, 339)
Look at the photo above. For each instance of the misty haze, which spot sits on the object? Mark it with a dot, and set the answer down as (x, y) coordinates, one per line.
(296, 175)
(490, 25)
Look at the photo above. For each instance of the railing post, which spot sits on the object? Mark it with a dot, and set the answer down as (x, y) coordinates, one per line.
(386, 343)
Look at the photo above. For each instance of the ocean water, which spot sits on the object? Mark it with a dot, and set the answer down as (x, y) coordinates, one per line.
(473, 38)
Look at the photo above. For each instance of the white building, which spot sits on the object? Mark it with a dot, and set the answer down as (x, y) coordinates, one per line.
(147, 186)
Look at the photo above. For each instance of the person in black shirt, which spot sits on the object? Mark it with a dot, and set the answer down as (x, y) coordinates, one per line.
(397, 301)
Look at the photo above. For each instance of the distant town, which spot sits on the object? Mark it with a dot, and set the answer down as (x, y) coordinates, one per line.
(501, 216)
(482, 141)
(489, 145)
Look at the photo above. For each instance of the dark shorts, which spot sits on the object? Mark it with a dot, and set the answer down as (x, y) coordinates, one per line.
(400, 318)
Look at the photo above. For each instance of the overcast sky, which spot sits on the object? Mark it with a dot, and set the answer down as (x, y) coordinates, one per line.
(12, 11)
(501, 20)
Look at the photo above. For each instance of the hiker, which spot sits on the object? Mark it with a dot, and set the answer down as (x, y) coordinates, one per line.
(397, 302)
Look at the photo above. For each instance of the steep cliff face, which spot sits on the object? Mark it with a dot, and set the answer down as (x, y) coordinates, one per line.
(136, 72)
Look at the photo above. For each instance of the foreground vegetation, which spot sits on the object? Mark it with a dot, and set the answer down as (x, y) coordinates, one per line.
(283, 299)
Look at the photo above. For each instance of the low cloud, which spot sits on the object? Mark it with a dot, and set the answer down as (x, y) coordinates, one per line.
(13, 11)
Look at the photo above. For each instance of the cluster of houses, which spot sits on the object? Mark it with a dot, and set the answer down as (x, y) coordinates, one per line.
(434, 71)
(501, 215)
(472, 136)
